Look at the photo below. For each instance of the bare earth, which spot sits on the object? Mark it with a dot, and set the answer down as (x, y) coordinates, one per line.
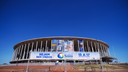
(50, 68)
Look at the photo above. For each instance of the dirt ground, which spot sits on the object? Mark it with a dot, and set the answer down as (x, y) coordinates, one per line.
(50, 68)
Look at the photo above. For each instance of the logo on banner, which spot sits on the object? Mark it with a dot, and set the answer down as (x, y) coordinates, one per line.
(84, 54)
(60, 55)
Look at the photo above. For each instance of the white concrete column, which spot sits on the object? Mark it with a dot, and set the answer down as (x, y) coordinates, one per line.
(16, 53)
(46, 46)
(51, 45)
(24, 51)
(62, 46)
(92, 46)
(78, 45)
(88, 46)
(73, 46)
(21, 52)
(32, 46)
(84, 45)
(108, 51)
(104, 50)
(95, 47)
(41, 46)
(36, 45)
(27, 50)
(18, 50)
(13, 55)
(98, 46)
(101, 49)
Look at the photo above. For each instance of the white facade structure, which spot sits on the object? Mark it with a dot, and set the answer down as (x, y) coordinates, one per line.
(61, 44)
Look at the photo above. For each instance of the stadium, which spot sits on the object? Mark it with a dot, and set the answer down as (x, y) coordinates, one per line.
(59, 46)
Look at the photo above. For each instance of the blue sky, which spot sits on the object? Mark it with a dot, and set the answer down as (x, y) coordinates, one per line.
(105, 20)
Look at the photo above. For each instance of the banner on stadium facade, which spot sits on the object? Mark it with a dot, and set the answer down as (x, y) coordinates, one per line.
(81, 45)
(65, 46)
(70, 46)
(65, 55)
(54, 45)
(59, 46)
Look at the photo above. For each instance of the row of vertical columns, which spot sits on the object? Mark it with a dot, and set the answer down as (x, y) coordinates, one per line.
(101, 48)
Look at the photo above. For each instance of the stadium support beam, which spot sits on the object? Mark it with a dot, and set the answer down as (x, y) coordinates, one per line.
(108, 52)
(92, 47)
(13, 55)
(88, 46)
(46, 46)
(98, 47)
(21, 51)
(28, 50)
(41, 46)
(36, 45)
(24, 51)
(95, 47)
(32, 46)
(18, 50)
(78, 44)
(104, 51)
(101, 50)
(16, 53)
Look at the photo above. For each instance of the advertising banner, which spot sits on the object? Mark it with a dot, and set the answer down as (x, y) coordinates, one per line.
(70, 46)
(65, 55)
(59, 46)
(65, 46)
(54, 45)
(81, 46)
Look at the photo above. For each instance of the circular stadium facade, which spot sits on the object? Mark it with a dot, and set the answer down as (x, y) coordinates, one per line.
(59, 44)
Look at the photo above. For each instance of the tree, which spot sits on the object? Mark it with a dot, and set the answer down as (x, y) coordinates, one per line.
(4, 63)
(18, 56)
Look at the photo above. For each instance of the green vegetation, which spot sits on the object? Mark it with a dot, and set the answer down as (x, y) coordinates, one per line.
(98, 67)
(4, 63)
(124, 64)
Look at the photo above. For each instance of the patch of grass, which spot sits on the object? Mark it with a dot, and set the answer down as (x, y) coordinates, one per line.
(124, 64)
(98, 66)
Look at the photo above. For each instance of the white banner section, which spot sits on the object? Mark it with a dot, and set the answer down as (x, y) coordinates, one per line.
(65, 55)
